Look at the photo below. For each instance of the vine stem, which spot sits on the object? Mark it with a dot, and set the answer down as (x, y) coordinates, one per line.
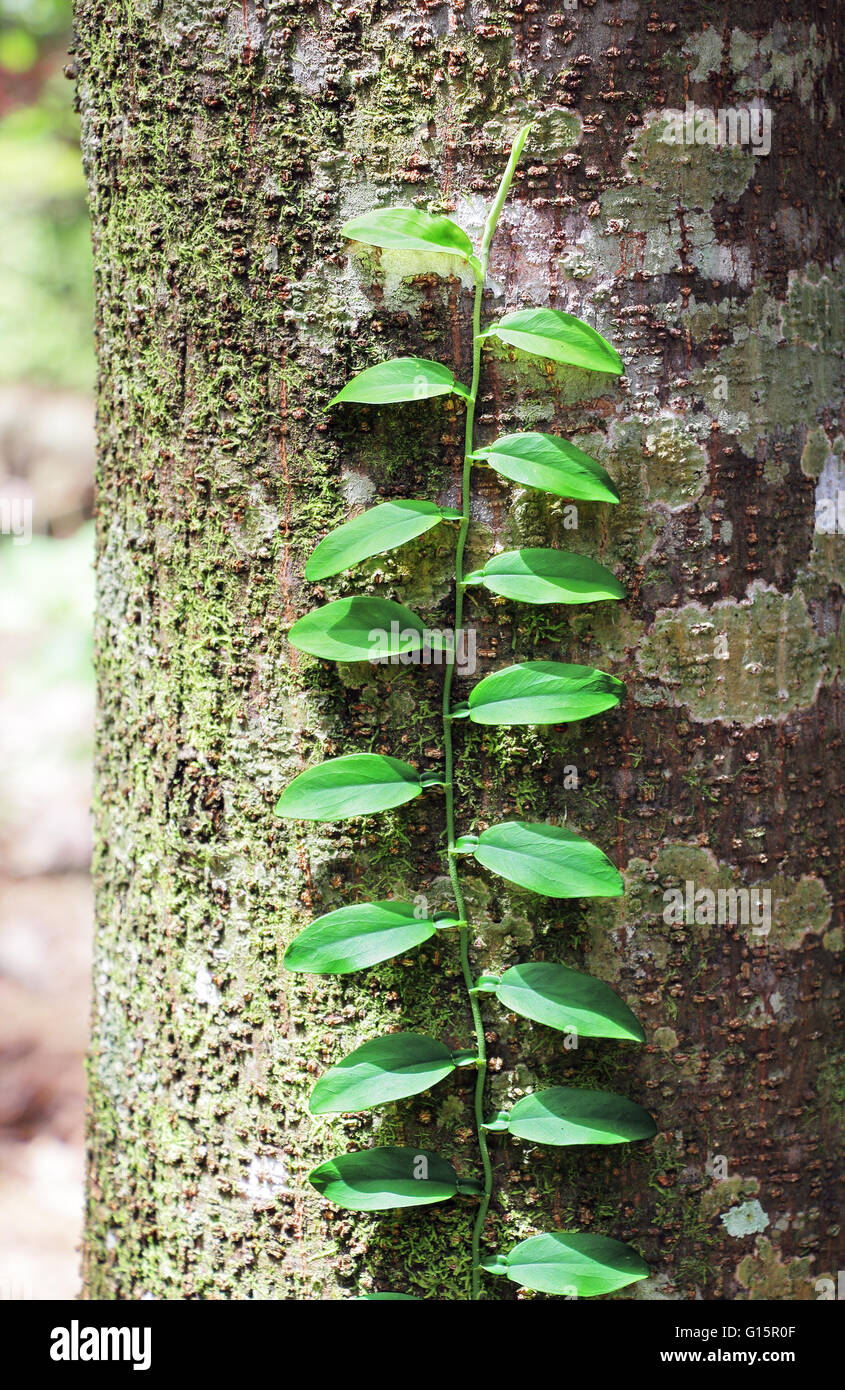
(449, 757)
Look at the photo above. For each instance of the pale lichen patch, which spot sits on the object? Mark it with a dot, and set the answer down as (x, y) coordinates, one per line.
(706, 49)
(766, 1274)
(745, 1220)
(741, 662)
(782, 365)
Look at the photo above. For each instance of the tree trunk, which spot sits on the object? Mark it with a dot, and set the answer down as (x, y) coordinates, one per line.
(224, 147)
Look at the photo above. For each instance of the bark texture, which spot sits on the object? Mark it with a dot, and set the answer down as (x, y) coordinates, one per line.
(225, 144)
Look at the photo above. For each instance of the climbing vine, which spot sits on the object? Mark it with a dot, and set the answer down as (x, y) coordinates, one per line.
(547, 859)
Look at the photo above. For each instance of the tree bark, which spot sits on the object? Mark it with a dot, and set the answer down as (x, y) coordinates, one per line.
(224, 146)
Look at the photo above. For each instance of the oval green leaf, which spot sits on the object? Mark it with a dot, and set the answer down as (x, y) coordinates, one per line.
(408, 229)
(356, 937)
(358, 629)
(384, 1069)
(374, 532)
(569, 1263)
(359, 784)
(547, 576)
(399, 379)
(548, 859)
(543, 692)
(551, 464)
(379, 1179)
(568, 1115)
(562, 337)
(567, 1000)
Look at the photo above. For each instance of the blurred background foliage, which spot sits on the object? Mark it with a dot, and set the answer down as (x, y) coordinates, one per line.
(45, 274)
(46, 679)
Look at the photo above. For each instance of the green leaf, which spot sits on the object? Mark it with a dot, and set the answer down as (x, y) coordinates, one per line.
(567, 1000)
(385, 1297)
(356, 937)
(548, 859)
(551, 464)
(358, 629)
(358, 784)
(378, 1179)
(567, 1115)
(399, 379)
(497, 1123)
(543, 692)
(567, 1262)
(384, 1069)
(562, 337)
(547, 576)
(407, 229)
(374, 532)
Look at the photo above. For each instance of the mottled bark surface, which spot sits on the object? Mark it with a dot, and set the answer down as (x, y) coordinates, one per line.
(225, 145)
